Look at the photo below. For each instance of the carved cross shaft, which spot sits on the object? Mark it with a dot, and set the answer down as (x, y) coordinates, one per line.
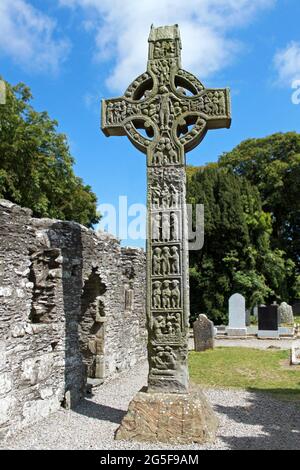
(166, 112)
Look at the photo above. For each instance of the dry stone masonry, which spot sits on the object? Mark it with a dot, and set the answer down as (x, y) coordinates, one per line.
(72, 309)
(165, 113)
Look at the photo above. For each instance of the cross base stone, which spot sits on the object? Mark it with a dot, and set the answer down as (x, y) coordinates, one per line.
(169, 418)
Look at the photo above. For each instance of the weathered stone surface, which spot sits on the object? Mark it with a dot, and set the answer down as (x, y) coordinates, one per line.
(6, 404)
(285, 312)
(169, 418)
(62, 312)
(204, 333)
(164, 102)
(175, 111)
(37, 369)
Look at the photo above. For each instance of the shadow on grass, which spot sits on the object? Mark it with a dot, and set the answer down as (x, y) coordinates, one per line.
(278, 421)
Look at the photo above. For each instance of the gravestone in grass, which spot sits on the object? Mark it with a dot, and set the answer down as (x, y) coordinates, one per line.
(237, 316)
(204, 333)
(268, 321)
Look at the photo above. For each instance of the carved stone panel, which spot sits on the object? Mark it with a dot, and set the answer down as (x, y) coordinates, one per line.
(175, 111)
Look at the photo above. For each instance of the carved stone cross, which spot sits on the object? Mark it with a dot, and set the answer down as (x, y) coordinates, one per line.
(165, 113)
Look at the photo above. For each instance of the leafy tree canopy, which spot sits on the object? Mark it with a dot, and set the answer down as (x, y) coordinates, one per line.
(272, 165)
(237, 254)
(36, 167)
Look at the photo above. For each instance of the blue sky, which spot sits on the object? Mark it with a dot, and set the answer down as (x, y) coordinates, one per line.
(72, 53)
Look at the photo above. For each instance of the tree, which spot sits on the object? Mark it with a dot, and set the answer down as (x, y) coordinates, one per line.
(272, 164)
(236, 256)
(36, 167)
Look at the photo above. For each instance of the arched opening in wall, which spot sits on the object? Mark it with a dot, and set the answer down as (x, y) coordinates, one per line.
(92, 326)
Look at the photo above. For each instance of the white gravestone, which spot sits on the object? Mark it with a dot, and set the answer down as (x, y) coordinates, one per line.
(295, 356)
(237, 316)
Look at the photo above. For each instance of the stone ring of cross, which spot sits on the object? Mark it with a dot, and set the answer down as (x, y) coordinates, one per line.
(166, 102)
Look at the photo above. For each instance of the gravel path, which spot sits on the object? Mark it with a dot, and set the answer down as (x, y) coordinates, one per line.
(247, 421)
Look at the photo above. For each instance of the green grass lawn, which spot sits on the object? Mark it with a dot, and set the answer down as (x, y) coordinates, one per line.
(251, 369)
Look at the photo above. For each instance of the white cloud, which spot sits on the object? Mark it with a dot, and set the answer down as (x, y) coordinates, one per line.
(287, 63)
(28, 36)
(122, 27)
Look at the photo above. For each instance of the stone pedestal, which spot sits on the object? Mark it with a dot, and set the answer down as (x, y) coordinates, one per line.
(268, 334)
(233, 332)
(169, 418)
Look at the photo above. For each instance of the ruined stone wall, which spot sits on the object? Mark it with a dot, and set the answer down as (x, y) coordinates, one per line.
(72, 306)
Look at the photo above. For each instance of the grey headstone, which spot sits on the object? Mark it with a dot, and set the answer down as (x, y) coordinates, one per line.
(285, 313)
(255, 311)
(204, 333)
(248, 319)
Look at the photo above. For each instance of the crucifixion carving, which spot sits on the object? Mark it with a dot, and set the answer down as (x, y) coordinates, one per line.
(165, 113)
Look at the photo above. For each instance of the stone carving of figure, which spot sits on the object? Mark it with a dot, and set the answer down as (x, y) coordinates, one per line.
(158, 156)
(155, 197)
(165, 226)
(173, 196)
(164, 111)
(165, 196)
(157, 50)
(221, 104)
(174, 227)
(165, 261)
(156, 261)
(164, 358)
(175, 294)
(173, 323)
(177, 323)
(177, 108)
(159, 324)
(110, 113)
(208, 105)
(169, 328)
(166, 159)
(174, 261)
(173, 156)
(156, 220)
(156, 294)
(166, 294)
(170, 48)
(116, 112)
(123, 110)
(165, 71)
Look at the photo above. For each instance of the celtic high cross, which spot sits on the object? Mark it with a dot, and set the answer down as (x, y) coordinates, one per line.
(165, 113)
